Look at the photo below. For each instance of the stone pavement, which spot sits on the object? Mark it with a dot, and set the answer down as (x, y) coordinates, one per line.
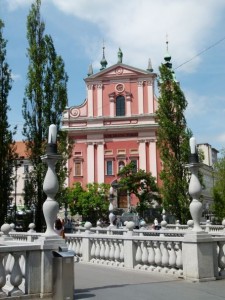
(105, 283)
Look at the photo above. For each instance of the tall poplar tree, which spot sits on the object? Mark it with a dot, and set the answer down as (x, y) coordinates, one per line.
(7, 145)
(173, 143)
(45, 100)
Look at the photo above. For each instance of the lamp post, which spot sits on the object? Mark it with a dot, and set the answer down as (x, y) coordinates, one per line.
(51, 185)
(111, 214)
(17, 164)
(195, 187)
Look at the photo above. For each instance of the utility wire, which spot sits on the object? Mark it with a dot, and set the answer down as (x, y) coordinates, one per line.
(206, 49)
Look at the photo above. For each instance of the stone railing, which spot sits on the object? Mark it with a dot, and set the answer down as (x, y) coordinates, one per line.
(149, 250)
(19, 269)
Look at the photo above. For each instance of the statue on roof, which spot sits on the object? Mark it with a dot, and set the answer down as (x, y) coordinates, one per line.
(120, 56)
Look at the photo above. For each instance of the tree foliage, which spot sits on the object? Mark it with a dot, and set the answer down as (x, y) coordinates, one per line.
(173, 143)
(45, 100)
(219, 188)
(7, 145)
(91, 203)
(141, 184)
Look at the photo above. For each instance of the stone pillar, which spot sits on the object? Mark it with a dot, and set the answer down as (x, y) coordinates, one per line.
(142, 155)
(90, 100)
(99, 100)
(86, 243)
(140, 98)
(199, 257)
(153, 158)
(90, 163)
(100, 162)
(150, 96)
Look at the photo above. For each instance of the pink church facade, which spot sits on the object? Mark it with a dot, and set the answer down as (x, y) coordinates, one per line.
(115, 125)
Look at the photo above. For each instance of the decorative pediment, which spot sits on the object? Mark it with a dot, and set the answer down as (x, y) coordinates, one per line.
(118, 71)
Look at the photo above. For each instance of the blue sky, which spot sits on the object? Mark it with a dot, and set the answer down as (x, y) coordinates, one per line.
(139, 27)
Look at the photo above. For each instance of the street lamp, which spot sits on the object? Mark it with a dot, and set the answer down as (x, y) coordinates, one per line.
(17, 164)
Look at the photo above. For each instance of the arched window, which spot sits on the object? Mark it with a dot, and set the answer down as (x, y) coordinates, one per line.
(120, 106)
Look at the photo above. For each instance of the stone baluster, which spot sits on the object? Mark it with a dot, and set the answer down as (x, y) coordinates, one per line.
(2, 275)
(121, 251)
(117, 252)
(151, 256)
(107, 249)
(93, 249)
(221, 258)
(158, 256)
(102, 250)
(112, 251)
(138, 256)
(97, 249)
(172, 258)
(22, 262)
(16, 276)
(144, 256)
(165, 256)
(179, 262)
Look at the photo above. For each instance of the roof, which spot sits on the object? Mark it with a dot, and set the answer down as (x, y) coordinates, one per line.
(21, 149)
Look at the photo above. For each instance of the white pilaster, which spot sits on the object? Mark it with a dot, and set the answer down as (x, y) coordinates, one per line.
(153, 158)
(99, 100)
(111, 105)
(90, 100)
(128, 103)
(142, 155)
(90, 163)
(140, 97)
(150, 96)
(100, 162)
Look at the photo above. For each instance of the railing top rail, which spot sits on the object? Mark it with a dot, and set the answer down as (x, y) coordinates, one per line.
(14, 247)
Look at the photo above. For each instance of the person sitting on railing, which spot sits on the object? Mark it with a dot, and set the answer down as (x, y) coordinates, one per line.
(59, 229)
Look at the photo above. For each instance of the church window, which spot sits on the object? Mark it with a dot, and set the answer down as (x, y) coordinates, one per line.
(120, 106)
(121, 165)
(109, 167)
(77, 168)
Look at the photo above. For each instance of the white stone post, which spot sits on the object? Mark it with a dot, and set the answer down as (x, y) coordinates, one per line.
(50, 240)
(198, 245)
(129, 247)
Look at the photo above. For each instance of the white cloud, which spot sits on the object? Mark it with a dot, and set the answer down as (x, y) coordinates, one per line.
(15, 4)
(140, 27)
(16, 77)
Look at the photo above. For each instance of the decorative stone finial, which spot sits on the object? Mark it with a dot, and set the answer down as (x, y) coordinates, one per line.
(150, 69)
(90, 70)
(103, 62)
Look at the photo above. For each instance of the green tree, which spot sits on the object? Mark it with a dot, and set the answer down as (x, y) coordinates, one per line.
(219, 188)
(7, 145)
(173, 143)
(91, 203)
(141, 184)
(45, 100)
